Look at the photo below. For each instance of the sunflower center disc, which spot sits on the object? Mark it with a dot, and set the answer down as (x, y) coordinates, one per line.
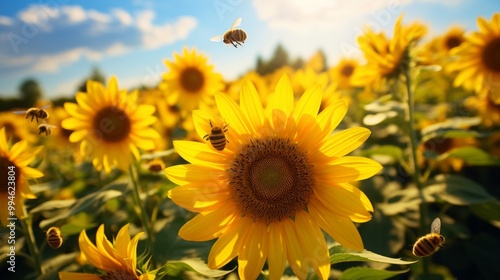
(271, 179)
(491, 55)
(4, 179)
(453, 42)
(347, 70)
(192, 79)
(111, 124)
(119, 274)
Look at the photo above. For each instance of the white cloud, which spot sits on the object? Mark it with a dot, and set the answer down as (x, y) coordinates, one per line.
(6, 20)
(298, 15)
(43, 38)
(157, 36)
(75, 14)
(123, 16)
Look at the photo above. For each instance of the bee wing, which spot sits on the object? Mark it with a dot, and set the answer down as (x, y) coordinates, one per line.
(47, 125)
(20, 112)
(217, 38)
(436, 226)
(236, 23)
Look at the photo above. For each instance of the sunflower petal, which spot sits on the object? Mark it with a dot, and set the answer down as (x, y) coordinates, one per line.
(295, 254)
(308, 103)
(200, 196)
(208, 225)
(341, 229)
(186, 173)
(251, 106)
(282, 99)
(345, 141)
(227, 246)
(276, 253)
(231, 113)
(349, 168)
(253, 251)
(313, 244)
(200, 153)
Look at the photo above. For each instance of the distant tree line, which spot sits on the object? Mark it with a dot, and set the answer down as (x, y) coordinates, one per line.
(30, 92)
(281, 58)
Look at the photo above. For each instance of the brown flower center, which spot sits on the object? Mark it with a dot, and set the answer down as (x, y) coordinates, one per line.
(192, 79)
(111, 124)
(453, 42)
(438, 145)
(10, 173)
(347, 70)
(271, 179)
(119, 274)
(491, 55)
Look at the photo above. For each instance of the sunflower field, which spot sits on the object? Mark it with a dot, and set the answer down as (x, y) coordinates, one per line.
(303, 171)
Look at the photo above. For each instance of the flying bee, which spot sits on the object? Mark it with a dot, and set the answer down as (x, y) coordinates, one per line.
(37, 113)
(217, 137)
(234, 36)
(54, 237)
(431, 242)
(45, 128)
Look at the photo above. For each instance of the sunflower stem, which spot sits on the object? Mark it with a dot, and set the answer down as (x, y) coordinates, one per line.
(139, 207)
(416, 172)
(26, 224)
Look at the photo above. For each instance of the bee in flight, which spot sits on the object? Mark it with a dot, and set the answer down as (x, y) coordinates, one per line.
(45, 128)
(37, 113)
(54, 237)
(431, 242)
(234, 36)
(217, 137)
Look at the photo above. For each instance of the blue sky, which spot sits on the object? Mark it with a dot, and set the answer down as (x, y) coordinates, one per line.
(58, 42)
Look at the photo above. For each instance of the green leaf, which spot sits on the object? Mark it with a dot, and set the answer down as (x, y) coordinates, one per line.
(367, 273)
(374, 119)
(93, 200)
(452, 128)
(472, 156)
(458, 190)
(340, 254)
(175, 268)
(157, 154)
(389, 150)
(489, 211)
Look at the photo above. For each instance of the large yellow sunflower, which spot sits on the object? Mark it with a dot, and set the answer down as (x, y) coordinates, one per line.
(118, 261)
(478, 61)
(386, 58)
(110, 125)
(190, 81)
(281, 179)
(15, 174)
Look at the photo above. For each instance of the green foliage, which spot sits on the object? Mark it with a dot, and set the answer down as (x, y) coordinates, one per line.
(178, 267)
(366, 273)
(339, 254)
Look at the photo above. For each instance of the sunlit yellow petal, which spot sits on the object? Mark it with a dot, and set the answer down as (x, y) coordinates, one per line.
(341, 229)
(313, 244)
(196, 230)
(227, 246)
(253, 252)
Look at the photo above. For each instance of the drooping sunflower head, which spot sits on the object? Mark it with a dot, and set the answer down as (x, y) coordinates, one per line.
(190, 81)
(110, 125)
(14, 162)
(280, 180)
(387, 59)
(117, 260)
(453, 38)
(478, 60)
